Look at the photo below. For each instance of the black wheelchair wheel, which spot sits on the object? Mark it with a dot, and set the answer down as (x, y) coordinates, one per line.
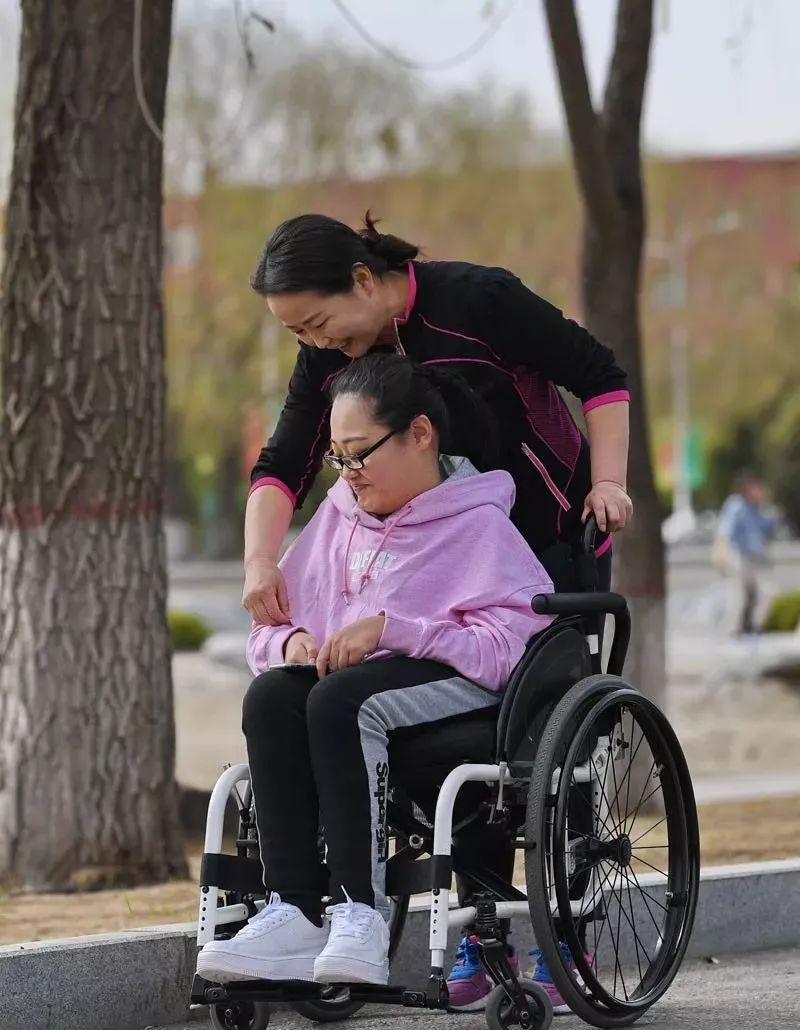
(240, 1015)
(502, 1014)
(612, 859)
(335, 1003)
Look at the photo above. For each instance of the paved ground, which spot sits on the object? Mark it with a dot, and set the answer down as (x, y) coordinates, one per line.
(757, 992)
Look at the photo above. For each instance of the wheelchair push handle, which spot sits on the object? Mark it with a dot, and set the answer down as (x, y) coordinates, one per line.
(590, 532)
(579, 604)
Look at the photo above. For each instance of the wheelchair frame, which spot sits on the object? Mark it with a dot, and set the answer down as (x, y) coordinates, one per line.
(435, 874)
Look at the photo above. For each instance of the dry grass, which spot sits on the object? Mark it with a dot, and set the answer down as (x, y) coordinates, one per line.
(747, 831)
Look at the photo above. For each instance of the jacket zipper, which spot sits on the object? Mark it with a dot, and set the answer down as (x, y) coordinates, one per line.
(551, 486)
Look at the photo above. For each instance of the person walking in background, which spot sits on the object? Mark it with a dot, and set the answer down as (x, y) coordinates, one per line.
(746, 525)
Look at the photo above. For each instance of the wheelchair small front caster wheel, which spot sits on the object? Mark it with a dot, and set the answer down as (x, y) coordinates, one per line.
(240, 1015)
(502, 1014)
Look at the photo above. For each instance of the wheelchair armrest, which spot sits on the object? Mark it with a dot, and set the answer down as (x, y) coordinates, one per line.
(579, 604)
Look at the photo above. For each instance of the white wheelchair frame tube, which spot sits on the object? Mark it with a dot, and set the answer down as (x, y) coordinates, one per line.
(209, 916)
(442, 917)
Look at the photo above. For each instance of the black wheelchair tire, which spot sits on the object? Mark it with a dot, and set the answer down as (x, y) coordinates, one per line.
(499, 1010)
(576, 706)
(340, 1006)
(252, 1015)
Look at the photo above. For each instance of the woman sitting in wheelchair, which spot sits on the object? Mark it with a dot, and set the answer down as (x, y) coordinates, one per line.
(410, 595)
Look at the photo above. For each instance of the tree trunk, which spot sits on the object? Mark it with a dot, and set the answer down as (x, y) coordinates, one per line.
(607, 157)
(87, 790)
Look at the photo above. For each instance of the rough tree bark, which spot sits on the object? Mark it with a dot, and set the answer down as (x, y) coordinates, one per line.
(607, 158)
(87, 790)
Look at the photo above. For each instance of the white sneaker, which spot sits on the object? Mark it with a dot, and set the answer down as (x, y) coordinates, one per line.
(278, 943)
(358, 947)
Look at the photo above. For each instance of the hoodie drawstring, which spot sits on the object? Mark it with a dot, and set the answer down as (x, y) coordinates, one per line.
(345, 591)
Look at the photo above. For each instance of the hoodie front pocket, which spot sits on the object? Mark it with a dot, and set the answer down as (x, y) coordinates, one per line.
(551, 486)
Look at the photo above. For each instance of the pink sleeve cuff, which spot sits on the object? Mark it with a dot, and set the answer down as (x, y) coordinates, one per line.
(265, 646)
(400, 636)
(271, 481)
(606, 398)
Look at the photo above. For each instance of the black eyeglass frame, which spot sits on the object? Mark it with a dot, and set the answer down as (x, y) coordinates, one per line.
(354, 462)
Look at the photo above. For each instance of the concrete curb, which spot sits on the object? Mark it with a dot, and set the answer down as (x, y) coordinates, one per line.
(140, 978)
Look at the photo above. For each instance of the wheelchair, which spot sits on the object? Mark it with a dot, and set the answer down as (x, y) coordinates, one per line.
(578, 771)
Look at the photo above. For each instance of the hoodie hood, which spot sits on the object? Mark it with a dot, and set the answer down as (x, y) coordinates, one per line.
(464, 488)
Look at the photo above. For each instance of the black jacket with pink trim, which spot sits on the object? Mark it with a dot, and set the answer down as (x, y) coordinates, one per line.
(512, 346)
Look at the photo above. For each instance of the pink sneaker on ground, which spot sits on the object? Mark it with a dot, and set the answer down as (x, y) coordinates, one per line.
(541, 975)
(468, 985)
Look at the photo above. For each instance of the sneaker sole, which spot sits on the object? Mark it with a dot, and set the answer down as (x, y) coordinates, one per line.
(223, 968)
(347, 971)
(471, 1006)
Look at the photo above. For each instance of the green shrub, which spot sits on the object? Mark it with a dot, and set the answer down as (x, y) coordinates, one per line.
(784, 614)
(189, 631)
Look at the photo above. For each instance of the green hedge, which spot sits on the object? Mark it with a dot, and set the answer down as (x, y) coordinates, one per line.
(189, 631)
(784, 614)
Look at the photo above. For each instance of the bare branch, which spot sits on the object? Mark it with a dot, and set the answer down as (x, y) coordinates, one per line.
(592, 164)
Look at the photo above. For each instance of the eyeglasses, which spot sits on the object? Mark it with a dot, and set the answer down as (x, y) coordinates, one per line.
(354, 462)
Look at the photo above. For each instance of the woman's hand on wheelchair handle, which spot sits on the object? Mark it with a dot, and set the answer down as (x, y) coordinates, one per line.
(610, 504)
(265, 595)
(350, 645)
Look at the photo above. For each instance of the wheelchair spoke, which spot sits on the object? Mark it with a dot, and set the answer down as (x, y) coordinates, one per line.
(644, 801)
(632, 921)
(590, 893)
(647, 899)
(647, 778)
(617, 965)
(628, 774)
(607, 918)
(653, 867)
(660, 821)
(616, 794)
(596, 812)
(576, 787)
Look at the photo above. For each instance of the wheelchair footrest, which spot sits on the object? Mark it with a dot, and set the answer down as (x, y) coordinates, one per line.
(204, 992)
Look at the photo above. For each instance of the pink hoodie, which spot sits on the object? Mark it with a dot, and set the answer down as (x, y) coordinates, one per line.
(450, 572)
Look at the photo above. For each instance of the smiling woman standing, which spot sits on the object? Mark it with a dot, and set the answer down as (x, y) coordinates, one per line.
(343, 293)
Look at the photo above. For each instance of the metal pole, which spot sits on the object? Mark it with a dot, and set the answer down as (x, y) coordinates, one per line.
(681, 385)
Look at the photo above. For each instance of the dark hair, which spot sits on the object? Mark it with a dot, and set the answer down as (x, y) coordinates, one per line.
(315, 252)
(399, 389)
(745, 477)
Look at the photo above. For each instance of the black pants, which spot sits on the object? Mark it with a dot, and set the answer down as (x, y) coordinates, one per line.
(318, 752)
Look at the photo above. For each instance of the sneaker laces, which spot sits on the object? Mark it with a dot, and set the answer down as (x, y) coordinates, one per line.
(467, 962)
(272, 914)
(541, 973)
(351, 918)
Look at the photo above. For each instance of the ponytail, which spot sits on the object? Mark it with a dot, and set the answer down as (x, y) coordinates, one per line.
(315, 252)
(398, 390)
(391, 249)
